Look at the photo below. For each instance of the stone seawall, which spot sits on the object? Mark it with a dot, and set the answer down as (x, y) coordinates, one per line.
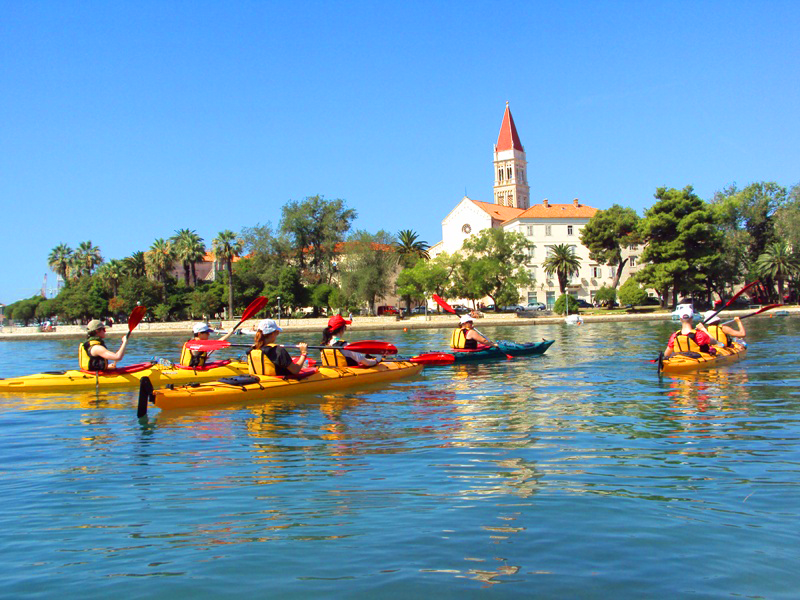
(433, 321)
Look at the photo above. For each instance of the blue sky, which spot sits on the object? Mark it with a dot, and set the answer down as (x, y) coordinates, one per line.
(124, 121)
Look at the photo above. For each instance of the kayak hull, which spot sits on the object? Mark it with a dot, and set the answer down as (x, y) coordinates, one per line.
(159, 375)
(324, 380)
(503, 351)
(695, 361)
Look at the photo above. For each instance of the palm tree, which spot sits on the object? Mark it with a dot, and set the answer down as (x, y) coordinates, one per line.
(60, 259)
(189, 249)
(110, 274)
(409, 248)
(778, 263)
(562, 261)
(86, 258)
(135, 265)
(226, 247)
(159, 259)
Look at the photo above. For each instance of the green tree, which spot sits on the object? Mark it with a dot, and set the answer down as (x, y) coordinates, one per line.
(83, 299)
(778, 264)
(367, 266)
(632, 293)
(189, 249)
(787, 219)
(110, 274)
(226, 246)
(682, 243)
(206, 301)
(561, 302)
(493, 265)
(59, 260)
(607, 233)
(315, 228)
(562, 262)
(605, 295)
(86, 257)
(135, 264)
(159, 259)
(138, 290)
(411, 248)
(426, 278)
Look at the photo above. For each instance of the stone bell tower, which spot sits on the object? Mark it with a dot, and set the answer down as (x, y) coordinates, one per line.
(510, 167)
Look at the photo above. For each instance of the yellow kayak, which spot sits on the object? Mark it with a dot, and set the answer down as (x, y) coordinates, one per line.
(159, 375)
(247, 388)
(692, 361)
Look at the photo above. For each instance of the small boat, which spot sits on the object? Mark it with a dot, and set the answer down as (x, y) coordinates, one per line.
(159, 375)
(682, 362)
(257, 388)
(573, 320)
(504, 350)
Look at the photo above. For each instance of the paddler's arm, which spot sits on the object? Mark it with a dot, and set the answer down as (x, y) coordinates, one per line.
(295, 367)
(740, 332)
(107, 354)
(479, 337)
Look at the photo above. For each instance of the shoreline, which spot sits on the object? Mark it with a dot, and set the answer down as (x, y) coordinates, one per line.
(434, 321)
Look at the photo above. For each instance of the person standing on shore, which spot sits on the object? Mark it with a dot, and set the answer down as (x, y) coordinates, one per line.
(93, 354)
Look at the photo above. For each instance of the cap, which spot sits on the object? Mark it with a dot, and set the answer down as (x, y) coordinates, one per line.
(202, 328)
(337, 321)
(267, 326)
(709, 317)
(687, 313)
(95, 324)
(466, 319)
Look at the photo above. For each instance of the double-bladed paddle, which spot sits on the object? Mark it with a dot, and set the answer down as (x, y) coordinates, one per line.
(255, 307)
(363, 347)
(729, 302)
(753, 314)
(136, 316)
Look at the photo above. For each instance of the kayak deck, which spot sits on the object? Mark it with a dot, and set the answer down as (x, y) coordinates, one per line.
(159, 375)
(322, 380)
(693, 361)
(504, 350)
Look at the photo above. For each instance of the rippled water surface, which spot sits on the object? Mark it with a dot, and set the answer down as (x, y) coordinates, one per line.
(578, 474)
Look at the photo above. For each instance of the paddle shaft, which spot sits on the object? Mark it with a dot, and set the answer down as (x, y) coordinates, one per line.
(753, 314)
(729, 302)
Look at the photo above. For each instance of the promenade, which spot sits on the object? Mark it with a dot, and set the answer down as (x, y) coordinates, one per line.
(432, 321)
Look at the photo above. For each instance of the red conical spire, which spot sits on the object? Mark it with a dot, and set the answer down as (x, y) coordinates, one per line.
(508, 138)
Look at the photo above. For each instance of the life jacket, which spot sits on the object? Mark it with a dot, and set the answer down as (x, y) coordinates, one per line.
(88, 362)
(459, 340)
(334, 357)
(686, 342)
(258, 362)
(715, 331)
(190, 359)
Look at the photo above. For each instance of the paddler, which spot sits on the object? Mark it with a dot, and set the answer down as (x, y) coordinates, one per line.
(723, 333)
(93, 354)
(689, 338)
(466, 337)
(267, 358)
(198, 358)
(336, 356)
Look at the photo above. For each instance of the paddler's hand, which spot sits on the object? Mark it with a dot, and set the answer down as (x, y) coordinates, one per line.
(303, 347)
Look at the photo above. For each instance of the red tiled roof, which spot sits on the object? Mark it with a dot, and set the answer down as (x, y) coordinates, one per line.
(496, 211)
(559, 211)
(508, 138)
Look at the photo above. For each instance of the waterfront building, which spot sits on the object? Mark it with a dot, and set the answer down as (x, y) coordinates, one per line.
(545, 224)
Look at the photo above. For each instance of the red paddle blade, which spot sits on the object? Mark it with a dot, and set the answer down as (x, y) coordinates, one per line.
(207, 345)
(255, 307)
(371, 347)
(766, 308)
(136, 316)
(443, 304)
(433, 358)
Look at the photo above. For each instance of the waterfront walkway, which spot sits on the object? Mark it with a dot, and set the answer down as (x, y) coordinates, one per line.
(432, 321)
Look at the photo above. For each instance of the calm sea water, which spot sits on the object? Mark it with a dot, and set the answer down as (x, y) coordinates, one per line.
(578, 474)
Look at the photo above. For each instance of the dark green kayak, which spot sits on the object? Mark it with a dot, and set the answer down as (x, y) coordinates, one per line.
(504, 350)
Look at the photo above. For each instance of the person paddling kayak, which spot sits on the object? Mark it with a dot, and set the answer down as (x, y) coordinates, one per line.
(689, 339)
(336, 356)
(466, 337)
(93, 354)
(724, 334)
(198, 358)
(267, 358)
